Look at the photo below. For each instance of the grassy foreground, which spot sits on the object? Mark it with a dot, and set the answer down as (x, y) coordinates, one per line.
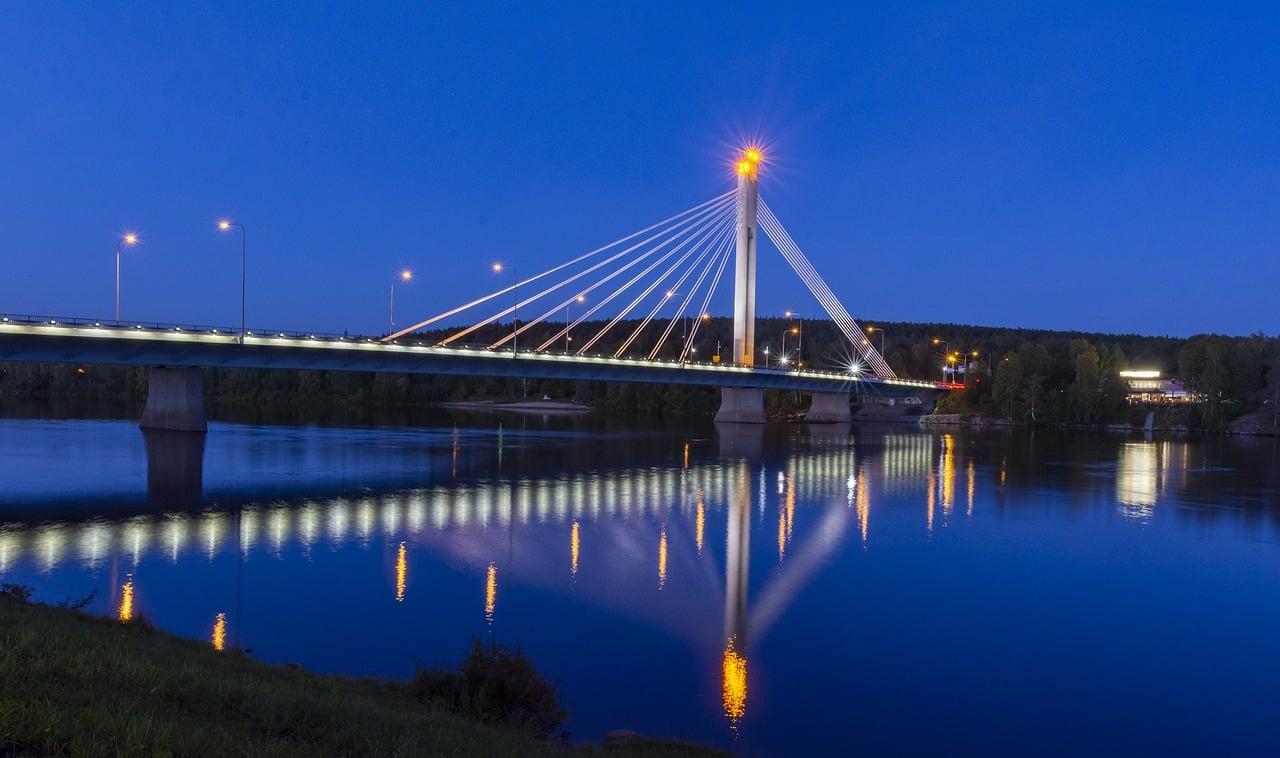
(81, 685)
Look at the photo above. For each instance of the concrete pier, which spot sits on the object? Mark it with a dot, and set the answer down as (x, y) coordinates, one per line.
(175, 400)
(741, 405)
(829, 408)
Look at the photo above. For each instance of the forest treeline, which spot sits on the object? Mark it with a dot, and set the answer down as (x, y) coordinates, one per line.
(1027, 376)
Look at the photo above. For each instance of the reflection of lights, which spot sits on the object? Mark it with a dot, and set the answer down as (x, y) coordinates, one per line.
(278, 525)
(700, 523)
(686, 455)
(220, 632)
(364, 519)
(402, 570)
(490, 592)
(662, 558)
(339, 521)
(863, 506)
(95, 541)
(51, 543)
(10, 546)
(1136, 474)
(126, 600)
(213, 527)
(971, 478)
(573, 549)
(948, 474)
(309, 524)
(176, 534)
(931, 502)
(733, 688)
(852, 485)
(248, 530)
(139, 536)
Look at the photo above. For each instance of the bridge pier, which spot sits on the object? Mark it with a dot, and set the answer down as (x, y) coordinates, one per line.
(829, 408)
(175, 399)
(741, 405)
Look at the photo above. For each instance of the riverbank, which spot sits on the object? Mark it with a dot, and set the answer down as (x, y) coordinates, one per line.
(82, 685)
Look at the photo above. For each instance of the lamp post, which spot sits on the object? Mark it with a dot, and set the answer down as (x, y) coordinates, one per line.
(799, 332)
(567, 338)
(946, 358)
(225, 225)
(128, 239)
(871, 329)
(515, 305)
(403, 276)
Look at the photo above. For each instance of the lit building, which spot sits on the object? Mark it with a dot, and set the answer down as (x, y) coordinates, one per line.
(1149, 388)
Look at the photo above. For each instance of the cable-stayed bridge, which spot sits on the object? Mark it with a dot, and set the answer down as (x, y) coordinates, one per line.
(634, 293)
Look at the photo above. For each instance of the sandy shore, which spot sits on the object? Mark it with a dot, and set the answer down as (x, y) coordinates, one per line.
(526, 406)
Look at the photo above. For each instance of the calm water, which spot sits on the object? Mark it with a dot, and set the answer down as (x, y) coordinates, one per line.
(776, 591)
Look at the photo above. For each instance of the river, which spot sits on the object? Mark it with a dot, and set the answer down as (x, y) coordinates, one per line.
(779, 590)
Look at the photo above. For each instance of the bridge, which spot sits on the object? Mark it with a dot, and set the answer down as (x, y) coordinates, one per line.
(642, 272)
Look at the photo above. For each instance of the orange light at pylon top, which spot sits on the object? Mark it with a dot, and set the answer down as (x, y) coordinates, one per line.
(744, 167)
(753, 155)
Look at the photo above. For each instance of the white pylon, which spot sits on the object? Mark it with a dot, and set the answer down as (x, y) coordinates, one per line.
(744, 289)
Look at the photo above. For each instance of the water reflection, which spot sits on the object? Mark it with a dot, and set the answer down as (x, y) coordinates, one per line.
(220, 632)
(697, 504)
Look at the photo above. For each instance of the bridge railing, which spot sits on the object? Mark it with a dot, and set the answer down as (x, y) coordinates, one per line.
(233, 333)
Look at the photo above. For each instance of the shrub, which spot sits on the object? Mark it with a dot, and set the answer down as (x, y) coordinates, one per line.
(497, 685)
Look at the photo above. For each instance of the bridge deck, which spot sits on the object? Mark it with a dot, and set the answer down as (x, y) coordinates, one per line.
(55, 341)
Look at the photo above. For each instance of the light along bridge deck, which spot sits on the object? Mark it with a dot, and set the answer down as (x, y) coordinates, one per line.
(53, 340)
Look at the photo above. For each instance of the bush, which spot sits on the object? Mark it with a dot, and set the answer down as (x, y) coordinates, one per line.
(497, 685)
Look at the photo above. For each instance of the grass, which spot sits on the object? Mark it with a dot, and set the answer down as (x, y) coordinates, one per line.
(81, 685)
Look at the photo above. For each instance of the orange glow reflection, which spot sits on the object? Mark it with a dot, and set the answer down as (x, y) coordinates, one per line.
(573, 549)
(686, 455)
(402, 571)
(220, 632)
(700, 523)
(490, 592)
(662, 558)
(862, 502)
(126, 600)
(733, 690)
(948, 474)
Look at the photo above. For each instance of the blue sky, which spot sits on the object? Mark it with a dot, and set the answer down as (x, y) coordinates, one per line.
(1108, 167)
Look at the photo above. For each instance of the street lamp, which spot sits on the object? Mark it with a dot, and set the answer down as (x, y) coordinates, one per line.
(945, 356)
(871, 329)
(225, 225)
(799, 332)
(127, 239)
(515, 307)
(403, 276)
(567, 338)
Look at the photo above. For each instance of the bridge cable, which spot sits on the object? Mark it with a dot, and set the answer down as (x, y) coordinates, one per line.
(681, 236)
(774, 229)
(614, 321)
(580, 258)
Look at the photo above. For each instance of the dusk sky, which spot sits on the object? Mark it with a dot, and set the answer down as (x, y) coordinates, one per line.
(1107, 167)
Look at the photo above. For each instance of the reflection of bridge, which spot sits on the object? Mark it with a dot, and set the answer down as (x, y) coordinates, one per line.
(641, 272)
(631, 529)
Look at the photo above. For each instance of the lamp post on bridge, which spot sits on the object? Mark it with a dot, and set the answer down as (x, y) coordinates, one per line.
(946, 357)
(404, 276)
(871, 329)
(567, 338)
(225, 225)
(799, 332)
(128, 239)
(515, 306)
